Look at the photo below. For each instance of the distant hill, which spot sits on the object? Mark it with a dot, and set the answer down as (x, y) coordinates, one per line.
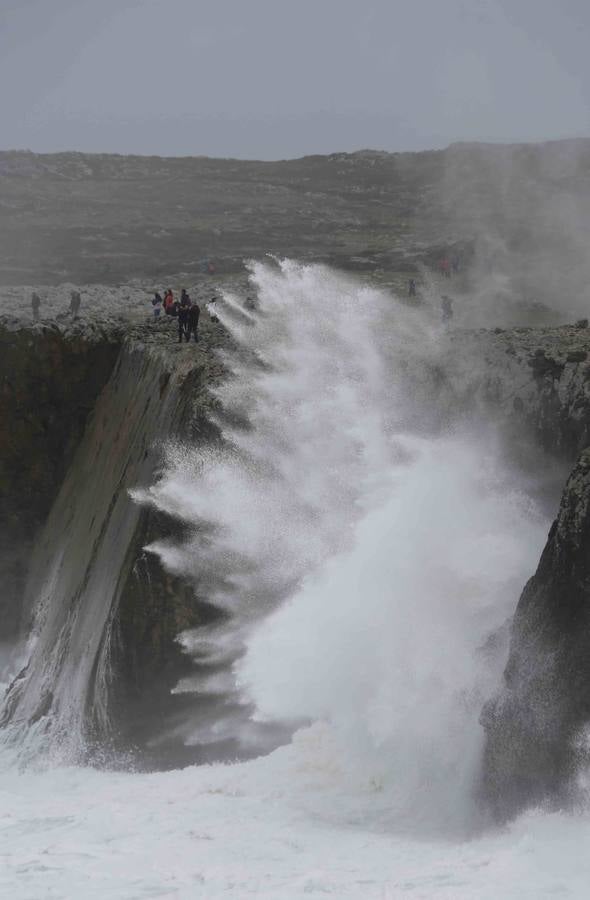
(106, 218)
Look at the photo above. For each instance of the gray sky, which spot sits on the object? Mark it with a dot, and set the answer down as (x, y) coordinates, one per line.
(270, 79)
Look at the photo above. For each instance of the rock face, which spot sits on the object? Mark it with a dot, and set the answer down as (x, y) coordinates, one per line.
(50, 379)
(105, 614)
(535, 724)
(533, 377)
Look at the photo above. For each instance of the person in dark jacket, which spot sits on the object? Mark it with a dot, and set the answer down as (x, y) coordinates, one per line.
(446, 309)
(157, 304)
(182, 322)
(193, 322)
(75, 301)
(185, 299)
(35, 304)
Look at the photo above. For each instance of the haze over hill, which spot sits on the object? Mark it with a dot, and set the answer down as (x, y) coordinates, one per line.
(521, 210)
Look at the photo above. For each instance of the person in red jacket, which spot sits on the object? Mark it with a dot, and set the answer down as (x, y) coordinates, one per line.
(168, 302)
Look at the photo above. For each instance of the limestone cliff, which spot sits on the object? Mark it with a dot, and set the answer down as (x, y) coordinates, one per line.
(50, 378)
(106, 622)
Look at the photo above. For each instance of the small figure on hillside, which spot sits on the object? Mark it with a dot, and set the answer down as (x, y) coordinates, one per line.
(193, 322)
(182, 322)
(75, 301)
(446, 308)
(250, 303)
(185, 299)
(455, 263)
(157, 304)
(412, 287)
(445, 267)
(35, 304)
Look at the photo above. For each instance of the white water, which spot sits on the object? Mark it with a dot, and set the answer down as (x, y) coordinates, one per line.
(364, 566)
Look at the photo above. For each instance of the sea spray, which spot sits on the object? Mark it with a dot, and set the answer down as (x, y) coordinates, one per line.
(363, 567)
(386, 641)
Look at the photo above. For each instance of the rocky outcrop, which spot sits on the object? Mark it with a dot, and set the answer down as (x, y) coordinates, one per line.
(520, 379)
(535, 726)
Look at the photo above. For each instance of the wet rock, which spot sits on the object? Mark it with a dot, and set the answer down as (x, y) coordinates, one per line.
(534, 725)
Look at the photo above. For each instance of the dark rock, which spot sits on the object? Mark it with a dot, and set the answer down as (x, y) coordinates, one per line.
(49, 383)
(544, 366)
(576, 356)
(533, 726)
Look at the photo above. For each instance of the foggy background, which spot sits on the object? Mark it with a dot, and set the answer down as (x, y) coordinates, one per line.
(269, 79)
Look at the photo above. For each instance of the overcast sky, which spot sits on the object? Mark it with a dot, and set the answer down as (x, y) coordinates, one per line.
(271, 79)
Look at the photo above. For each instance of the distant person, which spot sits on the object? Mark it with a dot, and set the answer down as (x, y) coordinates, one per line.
(182, 322)
(445, 267)
(455, 263)
(412, 287)
(157, 304)
(193, 322)
(446, 309)
(250, 303)
(75, 301)
(35, 305)
(185, 299)
(168, 302)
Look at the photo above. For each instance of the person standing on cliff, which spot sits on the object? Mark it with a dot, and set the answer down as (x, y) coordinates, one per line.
(35, 304)
(182, 323)
(75, 301)
(445, 267)
(193, 322)
(446, 309)
(168, 302)
(157, 304)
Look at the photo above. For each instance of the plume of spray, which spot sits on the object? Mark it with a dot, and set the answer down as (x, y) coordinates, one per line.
(363, 566)
(526, 210)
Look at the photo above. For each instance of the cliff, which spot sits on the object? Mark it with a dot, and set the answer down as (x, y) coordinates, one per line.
(50, 379)
(523, 381)
(536, 725)
(533, 385)
(86, 407)
(77, 543)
